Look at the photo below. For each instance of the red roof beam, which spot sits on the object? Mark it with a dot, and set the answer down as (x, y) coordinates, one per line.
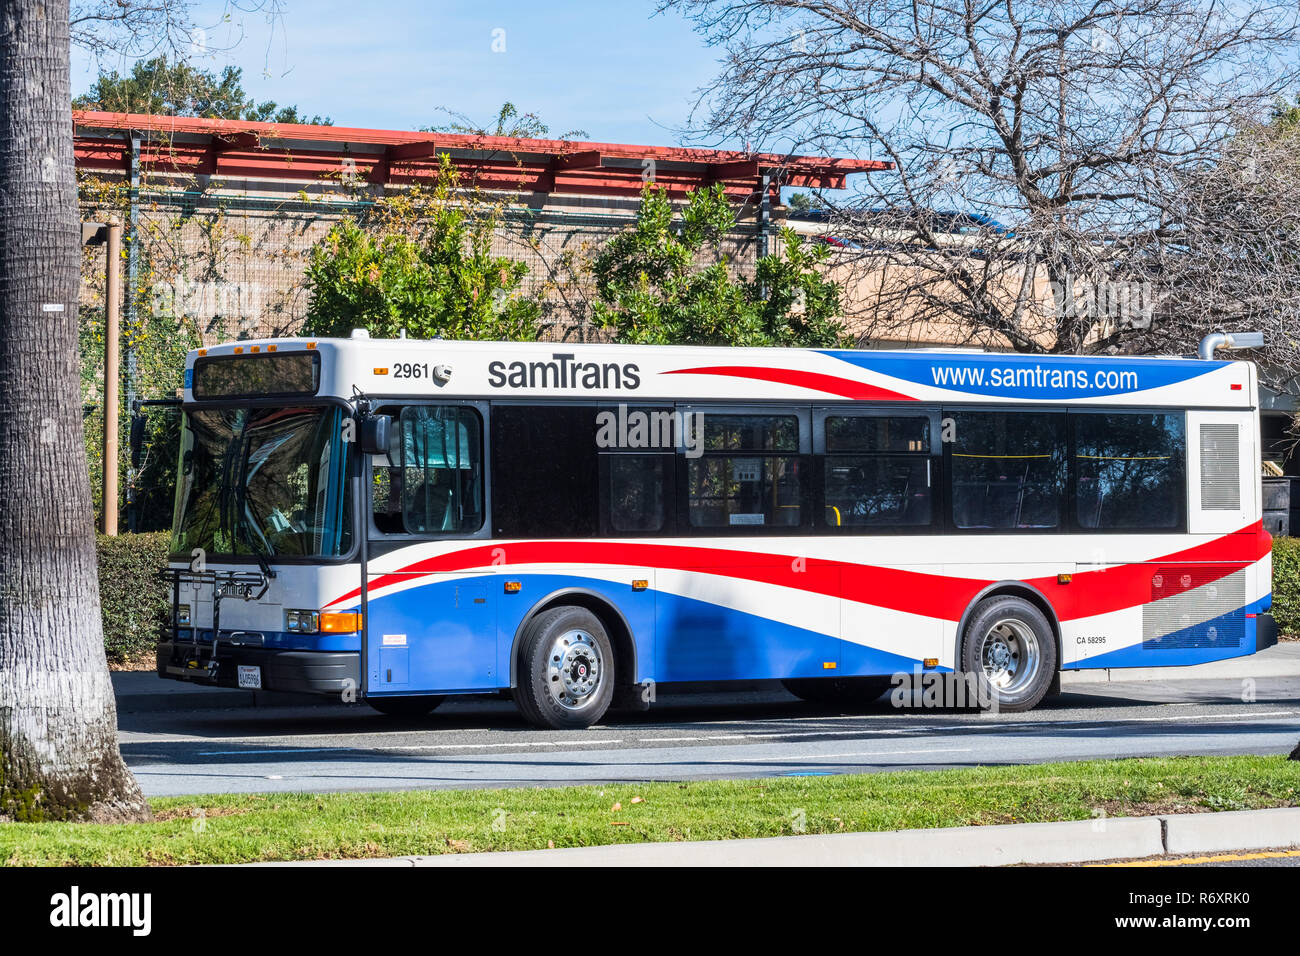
(172, 125)
(586, 159)
(742, 169)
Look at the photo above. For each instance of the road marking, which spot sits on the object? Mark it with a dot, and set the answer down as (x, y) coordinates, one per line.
(320, 750)
(864, 732)
(823, 757)
(775, 733)
(1197, 860)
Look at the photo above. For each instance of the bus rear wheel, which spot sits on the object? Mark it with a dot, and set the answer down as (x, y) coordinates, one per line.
(408, 707)
(566, 669)
(1010, 648)
(838, 691)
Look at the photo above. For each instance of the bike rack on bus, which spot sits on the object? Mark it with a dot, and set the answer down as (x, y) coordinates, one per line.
(244, 585)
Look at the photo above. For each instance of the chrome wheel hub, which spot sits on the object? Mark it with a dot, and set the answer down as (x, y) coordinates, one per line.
(574, 669)
(1009, 655)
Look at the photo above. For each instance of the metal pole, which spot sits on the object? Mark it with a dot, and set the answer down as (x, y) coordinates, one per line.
(112, 339)
(132, 316)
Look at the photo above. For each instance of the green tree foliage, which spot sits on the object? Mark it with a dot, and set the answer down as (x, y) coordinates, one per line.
(424, 264)
(180, 89)
(653, 289)
(800, 202)
(160, 343)
(134, 598)
(509, 122)
(1286, 585)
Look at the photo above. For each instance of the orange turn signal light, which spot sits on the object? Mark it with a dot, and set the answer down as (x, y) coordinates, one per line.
(340, 622)
(514, 587)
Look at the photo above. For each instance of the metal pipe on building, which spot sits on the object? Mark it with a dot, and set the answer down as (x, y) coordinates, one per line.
(132, 316)
(1229, 340)
(112, 371)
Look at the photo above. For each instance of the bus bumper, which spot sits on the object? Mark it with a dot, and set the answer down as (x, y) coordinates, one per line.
(1265, 631)
(304, 672)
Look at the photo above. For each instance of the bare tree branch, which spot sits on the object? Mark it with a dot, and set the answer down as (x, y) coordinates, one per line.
(1043, 150)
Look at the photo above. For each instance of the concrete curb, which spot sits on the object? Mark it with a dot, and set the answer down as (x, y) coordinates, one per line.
(1280, 661)
(968, 846)
(1232, 830)
(1112, 838)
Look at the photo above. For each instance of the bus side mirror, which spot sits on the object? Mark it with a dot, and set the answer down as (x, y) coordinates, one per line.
(137, 439)
(375, 434)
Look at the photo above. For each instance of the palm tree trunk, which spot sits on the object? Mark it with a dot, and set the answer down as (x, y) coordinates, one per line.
(58, 723)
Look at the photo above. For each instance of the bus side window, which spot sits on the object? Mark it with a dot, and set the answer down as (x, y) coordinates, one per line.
(1007, 470)
(441, 467)
(637, 488)
(545, 480)
(750, 476)
(877, 471)
(386, 486)
(1128, 470)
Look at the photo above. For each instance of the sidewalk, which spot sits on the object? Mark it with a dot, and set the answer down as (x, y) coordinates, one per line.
(1280, 660)
(1115, 838)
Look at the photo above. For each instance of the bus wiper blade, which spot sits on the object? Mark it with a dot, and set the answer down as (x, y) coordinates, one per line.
(262, 561)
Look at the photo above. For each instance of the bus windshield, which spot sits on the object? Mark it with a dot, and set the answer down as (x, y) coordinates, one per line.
(262, 482)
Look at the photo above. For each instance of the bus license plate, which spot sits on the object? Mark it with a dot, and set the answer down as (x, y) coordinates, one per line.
(250, 676)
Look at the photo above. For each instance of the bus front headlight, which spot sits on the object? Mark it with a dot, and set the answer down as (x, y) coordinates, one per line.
(301, 622)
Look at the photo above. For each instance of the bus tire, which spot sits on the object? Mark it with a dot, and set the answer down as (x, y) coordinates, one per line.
(1010, 648)
(837, 691)
(566, 669)
(409, 707)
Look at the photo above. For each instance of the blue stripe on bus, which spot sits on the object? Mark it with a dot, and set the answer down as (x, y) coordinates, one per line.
(1171, 654)
(1036, 377)
(699, 641)
(283, 640)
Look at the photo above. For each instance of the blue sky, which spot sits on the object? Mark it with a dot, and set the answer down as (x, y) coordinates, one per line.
(613, 69)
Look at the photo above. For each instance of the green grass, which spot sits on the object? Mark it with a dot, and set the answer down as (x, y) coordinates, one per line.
(240, 829)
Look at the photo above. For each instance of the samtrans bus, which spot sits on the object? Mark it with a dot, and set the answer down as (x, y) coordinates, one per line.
(398, 521)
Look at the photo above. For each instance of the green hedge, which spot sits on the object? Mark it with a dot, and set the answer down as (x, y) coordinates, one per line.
(136, 601)
(1286, 584)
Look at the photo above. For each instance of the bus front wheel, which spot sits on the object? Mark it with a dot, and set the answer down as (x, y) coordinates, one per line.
(1010, 648)
(409, 707)
(566, 669)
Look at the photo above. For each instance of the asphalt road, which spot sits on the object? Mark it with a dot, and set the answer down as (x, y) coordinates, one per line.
(482, 742)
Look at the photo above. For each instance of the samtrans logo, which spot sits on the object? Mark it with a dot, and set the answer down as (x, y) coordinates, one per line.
(564, 372)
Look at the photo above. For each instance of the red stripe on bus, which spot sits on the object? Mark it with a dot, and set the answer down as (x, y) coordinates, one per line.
(814, 381)
(916, 592)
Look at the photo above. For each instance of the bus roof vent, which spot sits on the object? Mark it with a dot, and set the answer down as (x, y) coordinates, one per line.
(1220, 467)
(361, 333)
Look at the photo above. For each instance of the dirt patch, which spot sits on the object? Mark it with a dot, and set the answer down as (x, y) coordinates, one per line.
(144, 661)
(194, 813)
